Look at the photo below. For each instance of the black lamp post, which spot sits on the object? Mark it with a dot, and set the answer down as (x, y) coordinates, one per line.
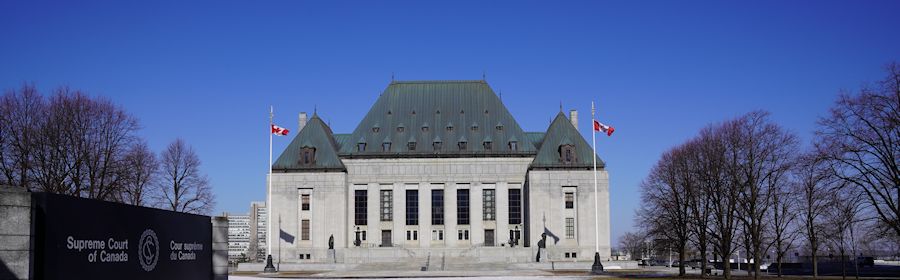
(357, 242)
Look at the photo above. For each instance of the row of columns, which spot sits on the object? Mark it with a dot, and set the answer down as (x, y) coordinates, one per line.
(399, 228)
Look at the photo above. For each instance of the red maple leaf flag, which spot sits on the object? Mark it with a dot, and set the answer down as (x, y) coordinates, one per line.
(280, 131)
(604, 128)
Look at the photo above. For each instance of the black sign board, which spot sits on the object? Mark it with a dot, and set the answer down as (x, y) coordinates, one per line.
(77, 238)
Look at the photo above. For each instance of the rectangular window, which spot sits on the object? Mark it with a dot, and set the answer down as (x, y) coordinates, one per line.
(304, 230)
(570, 228)
(412, 207)
(437, 207)
(488, 206)
(463, 234)
(359, 207)
(387, 205)
(437, 235)
(304, 202)
(412, 235)
(570, 200)
(411, 146)
(515, 206)
(386, 147)
(462, 206)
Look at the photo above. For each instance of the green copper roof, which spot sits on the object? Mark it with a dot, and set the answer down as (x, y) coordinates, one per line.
(562, 132)
(449, 112)
(316, 134)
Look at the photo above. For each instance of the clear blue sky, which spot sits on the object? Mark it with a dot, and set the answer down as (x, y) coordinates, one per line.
(207, 71)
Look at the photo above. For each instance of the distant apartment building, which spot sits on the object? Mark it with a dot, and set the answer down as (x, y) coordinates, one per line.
(238, 237)
(257, 240)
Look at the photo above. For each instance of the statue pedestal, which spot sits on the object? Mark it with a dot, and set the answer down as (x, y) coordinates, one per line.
(269, 267)
(597, 267)
(332, 258)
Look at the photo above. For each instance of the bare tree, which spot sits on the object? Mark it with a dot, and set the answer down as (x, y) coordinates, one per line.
(762, 154)
(82, 145)
(140, 170)
(722, 191)
(633, 243)
(784, 214)
(860, 138)
(183, 187)
(842, 216)
(21, 116)
(664, 202)
(812, 184)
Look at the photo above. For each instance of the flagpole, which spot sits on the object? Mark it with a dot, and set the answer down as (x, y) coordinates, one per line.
(269, 267)
(597, 267)
(269, 187)
(596, 200)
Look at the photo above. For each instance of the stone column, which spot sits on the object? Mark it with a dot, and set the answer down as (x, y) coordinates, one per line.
(220, 247)
(502, 214)
(424, 215)
(450, 235)
(398, 234)
(476, 215)
(373, 232)
(15, 233)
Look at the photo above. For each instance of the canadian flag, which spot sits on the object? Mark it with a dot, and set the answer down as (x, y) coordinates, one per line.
(604, 128)
(280, 131)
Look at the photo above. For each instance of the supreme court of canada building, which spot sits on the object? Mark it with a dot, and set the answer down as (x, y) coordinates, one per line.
(439, 169)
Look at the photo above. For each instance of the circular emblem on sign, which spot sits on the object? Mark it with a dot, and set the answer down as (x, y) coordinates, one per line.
(148, 250)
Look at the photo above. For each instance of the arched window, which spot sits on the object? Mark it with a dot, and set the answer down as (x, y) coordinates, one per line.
(567, 154)
(307, 156)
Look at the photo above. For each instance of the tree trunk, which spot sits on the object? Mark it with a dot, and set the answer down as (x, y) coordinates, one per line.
(779, 256)
(815, 261)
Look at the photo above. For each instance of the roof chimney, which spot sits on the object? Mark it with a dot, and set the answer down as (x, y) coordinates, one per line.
(573, 117)
(302, 121)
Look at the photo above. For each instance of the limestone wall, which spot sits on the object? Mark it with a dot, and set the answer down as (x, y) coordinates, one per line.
(15, 233)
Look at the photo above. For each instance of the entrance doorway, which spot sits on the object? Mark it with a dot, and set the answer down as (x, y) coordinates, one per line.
(386, 238)
(489, 237)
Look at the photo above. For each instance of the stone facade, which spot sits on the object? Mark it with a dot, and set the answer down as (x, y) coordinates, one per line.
(400, 182)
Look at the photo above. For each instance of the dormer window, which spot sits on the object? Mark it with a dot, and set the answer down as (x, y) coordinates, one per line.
(361, 147)
(307, 156)
(400, 129)
(462, 145)
(488, 145)
(499, 127)
(411, 146)
(450, 128)
(424, 129)
(386, 147)
(513, 146)
(437, 145)
(567, 154)
(474, 127)
(376, 129)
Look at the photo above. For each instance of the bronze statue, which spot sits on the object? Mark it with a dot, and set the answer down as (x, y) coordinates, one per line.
(331, 242)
